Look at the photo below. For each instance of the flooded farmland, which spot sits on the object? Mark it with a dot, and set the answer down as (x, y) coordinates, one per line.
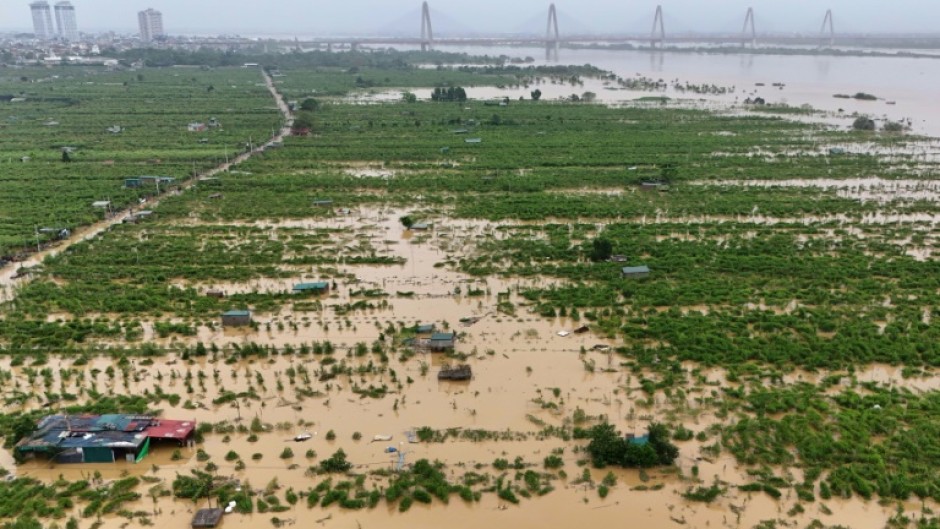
(778, 327)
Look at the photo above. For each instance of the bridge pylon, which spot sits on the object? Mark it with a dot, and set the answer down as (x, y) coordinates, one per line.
(749, 23)
(551, 35)
(427, 34)
(822, 31)
(658, 21)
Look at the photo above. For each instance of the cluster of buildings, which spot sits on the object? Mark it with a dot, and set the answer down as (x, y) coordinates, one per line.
(103, 438)
(149, 22)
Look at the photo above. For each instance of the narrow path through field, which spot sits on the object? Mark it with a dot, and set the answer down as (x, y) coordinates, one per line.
(8, 274)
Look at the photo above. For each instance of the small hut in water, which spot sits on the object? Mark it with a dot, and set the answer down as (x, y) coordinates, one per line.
(461, 372)
(442, 341)
(236, 318)
(207, 518)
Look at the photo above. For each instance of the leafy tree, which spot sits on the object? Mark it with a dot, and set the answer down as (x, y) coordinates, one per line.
(601, 249)
(893, 126)
(303, 121)
(310, 105)
(608, 447)
(22, 426)
(408, 97)
(336, 463)
(863, 123)
(407, 222)
(536, 94)
(453, 93)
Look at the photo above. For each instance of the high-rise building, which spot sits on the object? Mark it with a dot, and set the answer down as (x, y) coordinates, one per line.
(42, 20)
(151, 24)
(65, 20)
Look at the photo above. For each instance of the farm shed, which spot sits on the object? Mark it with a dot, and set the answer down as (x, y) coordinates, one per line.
(131, 182)
(236, 318)
(215, 293)
(101, 204)
(473, 140)
(635, 271)
(101, 438)
(462, 372)
(207, 518)
(318, 287)
(637, 439)
(421, 226)
(442, 341)
(323, 202)
(425, 328)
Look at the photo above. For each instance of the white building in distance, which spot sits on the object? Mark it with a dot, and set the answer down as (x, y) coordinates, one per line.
(151, 24)
(65, 20)
(42, 20)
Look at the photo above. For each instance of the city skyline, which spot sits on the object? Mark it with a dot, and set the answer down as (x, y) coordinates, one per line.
(524, 16)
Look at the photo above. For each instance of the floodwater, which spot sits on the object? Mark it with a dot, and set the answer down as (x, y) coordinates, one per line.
(813, 80)
(526, 376)
(518, 360)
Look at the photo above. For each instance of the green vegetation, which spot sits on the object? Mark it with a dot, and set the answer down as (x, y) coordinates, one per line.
(773, 285)
(66, 113)
(608, 447)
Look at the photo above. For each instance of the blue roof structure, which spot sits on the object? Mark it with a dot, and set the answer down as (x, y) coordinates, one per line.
(306, 287)
(629, 270)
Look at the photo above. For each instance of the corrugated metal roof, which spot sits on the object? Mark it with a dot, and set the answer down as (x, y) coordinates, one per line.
(627, 270)
(237, 313)
(63, 432)
(318, 285)
(442, 336)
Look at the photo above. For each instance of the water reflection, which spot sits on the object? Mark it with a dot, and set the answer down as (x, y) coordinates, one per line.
(822, 66)
(656, 60)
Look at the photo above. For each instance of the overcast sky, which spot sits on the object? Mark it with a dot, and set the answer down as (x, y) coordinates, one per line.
(310, 17)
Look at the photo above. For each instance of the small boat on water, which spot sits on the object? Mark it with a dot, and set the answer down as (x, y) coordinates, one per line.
(301, 437)
(381, 437)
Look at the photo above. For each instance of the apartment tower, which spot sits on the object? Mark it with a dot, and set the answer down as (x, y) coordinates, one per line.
(151, 24)
(65, 20)
(42, 20)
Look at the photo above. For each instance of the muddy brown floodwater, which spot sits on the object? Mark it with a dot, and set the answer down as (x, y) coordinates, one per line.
(526, 377)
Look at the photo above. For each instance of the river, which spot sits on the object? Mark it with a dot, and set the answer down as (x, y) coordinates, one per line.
(807, 79)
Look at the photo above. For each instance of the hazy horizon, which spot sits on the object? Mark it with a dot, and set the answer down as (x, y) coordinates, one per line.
(289, 17)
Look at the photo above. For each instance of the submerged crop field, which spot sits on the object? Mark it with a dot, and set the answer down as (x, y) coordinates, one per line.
(671, 314)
